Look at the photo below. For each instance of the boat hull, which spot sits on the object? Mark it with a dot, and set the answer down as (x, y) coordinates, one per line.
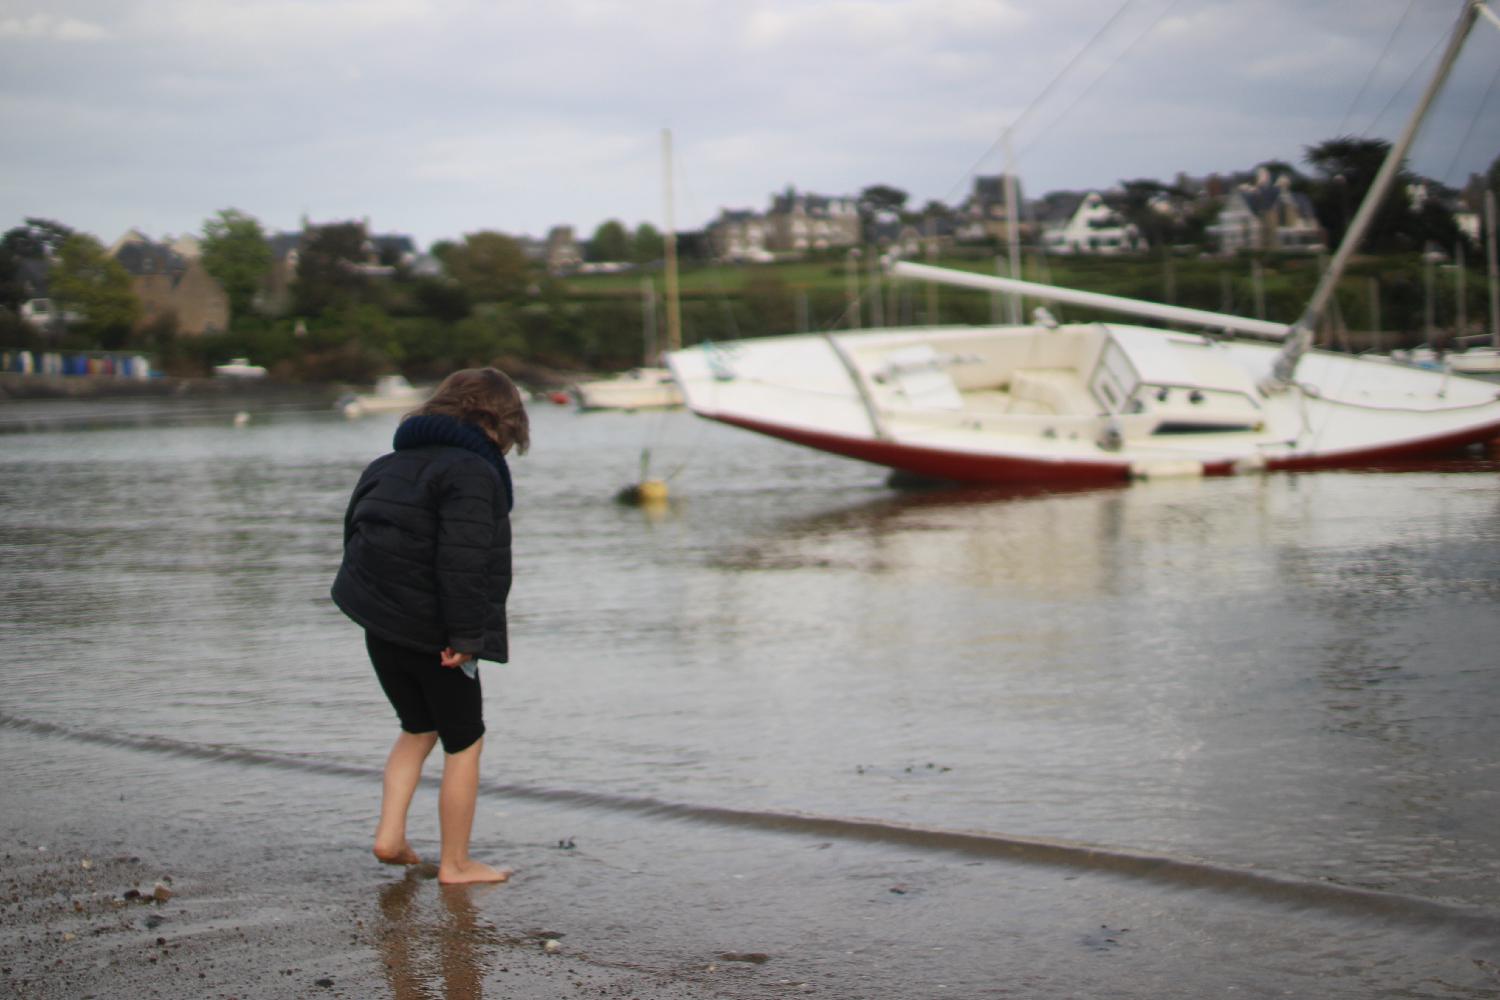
(958, 405)
(642, 389)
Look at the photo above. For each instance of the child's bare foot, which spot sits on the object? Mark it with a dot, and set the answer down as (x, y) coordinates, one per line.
(400, 855)
(471, 871)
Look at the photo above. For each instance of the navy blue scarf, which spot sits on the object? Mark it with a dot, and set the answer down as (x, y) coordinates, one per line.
(435, 428)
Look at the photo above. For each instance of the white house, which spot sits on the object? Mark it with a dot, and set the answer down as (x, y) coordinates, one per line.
(1267, 215)
(1095, 228)
(740, 235)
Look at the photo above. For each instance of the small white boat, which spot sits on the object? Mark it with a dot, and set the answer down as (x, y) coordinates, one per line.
(1476, 362)
(239, 368)
(1483, 362)
(1418, 357)
(392, 394)
(637, 389)
(650, 387)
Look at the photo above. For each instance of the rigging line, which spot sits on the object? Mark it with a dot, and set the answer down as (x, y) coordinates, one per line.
(700, 429)
(1447, 175)
(1045, 92)
(1419, 68)
(1100, 78)
(1379, 61)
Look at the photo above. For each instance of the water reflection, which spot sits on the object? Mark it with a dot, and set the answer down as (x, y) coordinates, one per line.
(431, 939)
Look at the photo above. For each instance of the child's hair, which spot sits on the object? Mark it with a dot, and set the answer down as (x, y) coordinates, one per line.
(486, 398)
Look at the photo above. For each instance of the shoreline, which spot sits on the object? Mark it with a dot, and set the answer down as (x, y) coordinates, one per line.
(138, 870)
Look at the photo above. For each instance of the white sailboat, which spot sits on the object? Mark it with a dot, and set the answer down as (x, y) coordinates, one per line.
(392, 394)
(1097, 402)
(649, 388)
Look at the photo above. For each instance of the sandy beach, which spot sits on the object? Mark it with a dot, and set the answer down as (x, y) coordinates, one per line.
(70, 930)
(113, 895)
(122, 878)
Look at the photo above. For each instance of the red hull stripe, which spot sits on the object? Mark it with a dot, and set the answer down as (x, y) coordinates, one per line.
(967, 467)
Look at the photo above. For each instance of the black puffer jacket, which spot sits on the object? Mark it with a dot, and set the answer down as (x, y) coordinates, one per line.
(427, 542)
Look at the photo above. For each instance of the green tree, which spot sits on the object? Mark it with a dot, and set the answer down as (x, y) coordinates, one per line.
(1143, 206)
(1348, 166)
(328, 268)
(490, 266)
(441, 298)
(609, 242)
(647, 244)
(11, 291)
(89, 282)
(38, 239)
(877, 204)
(236, 253)
(882, 197)
(484, 337)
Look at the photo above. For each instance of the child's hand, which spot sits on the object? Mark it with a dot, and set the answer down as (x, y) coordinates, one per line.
(452, 660)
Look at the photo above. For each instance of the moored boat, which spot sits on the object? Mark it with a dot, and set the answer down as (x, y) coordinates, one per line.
(239, 368)
(392, 394)
(638, 389)
(1053, 403)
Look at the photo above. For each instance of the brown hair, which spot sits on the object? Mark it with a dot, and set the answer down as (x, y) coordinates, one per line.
(486, 398)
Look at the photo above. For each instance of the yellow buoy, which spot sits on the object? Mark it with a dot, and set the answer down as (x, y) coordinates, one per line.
(646, 493)
(653, 491)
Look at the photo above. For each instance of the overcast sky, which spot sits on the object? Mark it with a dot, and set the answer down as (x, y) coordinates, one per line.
(440, 117)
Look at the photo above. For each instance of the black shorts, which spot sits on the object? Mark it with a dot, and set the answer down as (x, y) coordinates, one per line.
(427, 695)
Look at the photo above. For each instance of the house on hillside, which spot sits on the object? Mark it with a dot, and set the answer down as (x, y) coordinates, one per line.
(558, 252)
(1266, 214)
(173, 288)
(1423, 195)
(562, 254)
(1093, 227)
(984, 215)
(799, 222)
(740, 235)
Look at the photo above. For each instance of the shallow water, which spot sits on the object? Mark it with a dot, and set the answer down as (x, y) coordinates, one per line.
(1291, 675)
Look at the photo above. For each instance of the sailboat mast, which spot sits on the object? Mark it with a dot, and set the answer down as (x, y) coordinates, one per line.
(669, 243)
(1491, 268)
(1012, 231)
(1301, 336)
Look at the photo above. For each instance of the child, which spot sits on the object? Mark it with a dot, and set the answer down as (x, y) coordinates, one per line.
(426, 572)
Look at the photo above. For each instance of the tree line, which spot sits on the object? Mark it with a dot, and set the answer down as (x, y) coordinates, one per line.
(348, 313)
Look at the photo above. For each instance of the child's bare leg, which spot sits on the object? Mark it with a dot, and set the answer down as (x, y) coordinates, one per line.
(456, 813)
(403, 769)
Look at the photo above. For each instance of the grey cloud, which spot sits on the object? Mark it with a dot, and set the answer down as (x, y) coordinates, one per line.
(442, 116)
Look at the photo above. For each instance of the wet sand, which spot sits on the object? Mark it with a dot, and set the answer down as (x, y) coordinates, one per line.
(125, 875)
(129, 872)
(83, 922)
